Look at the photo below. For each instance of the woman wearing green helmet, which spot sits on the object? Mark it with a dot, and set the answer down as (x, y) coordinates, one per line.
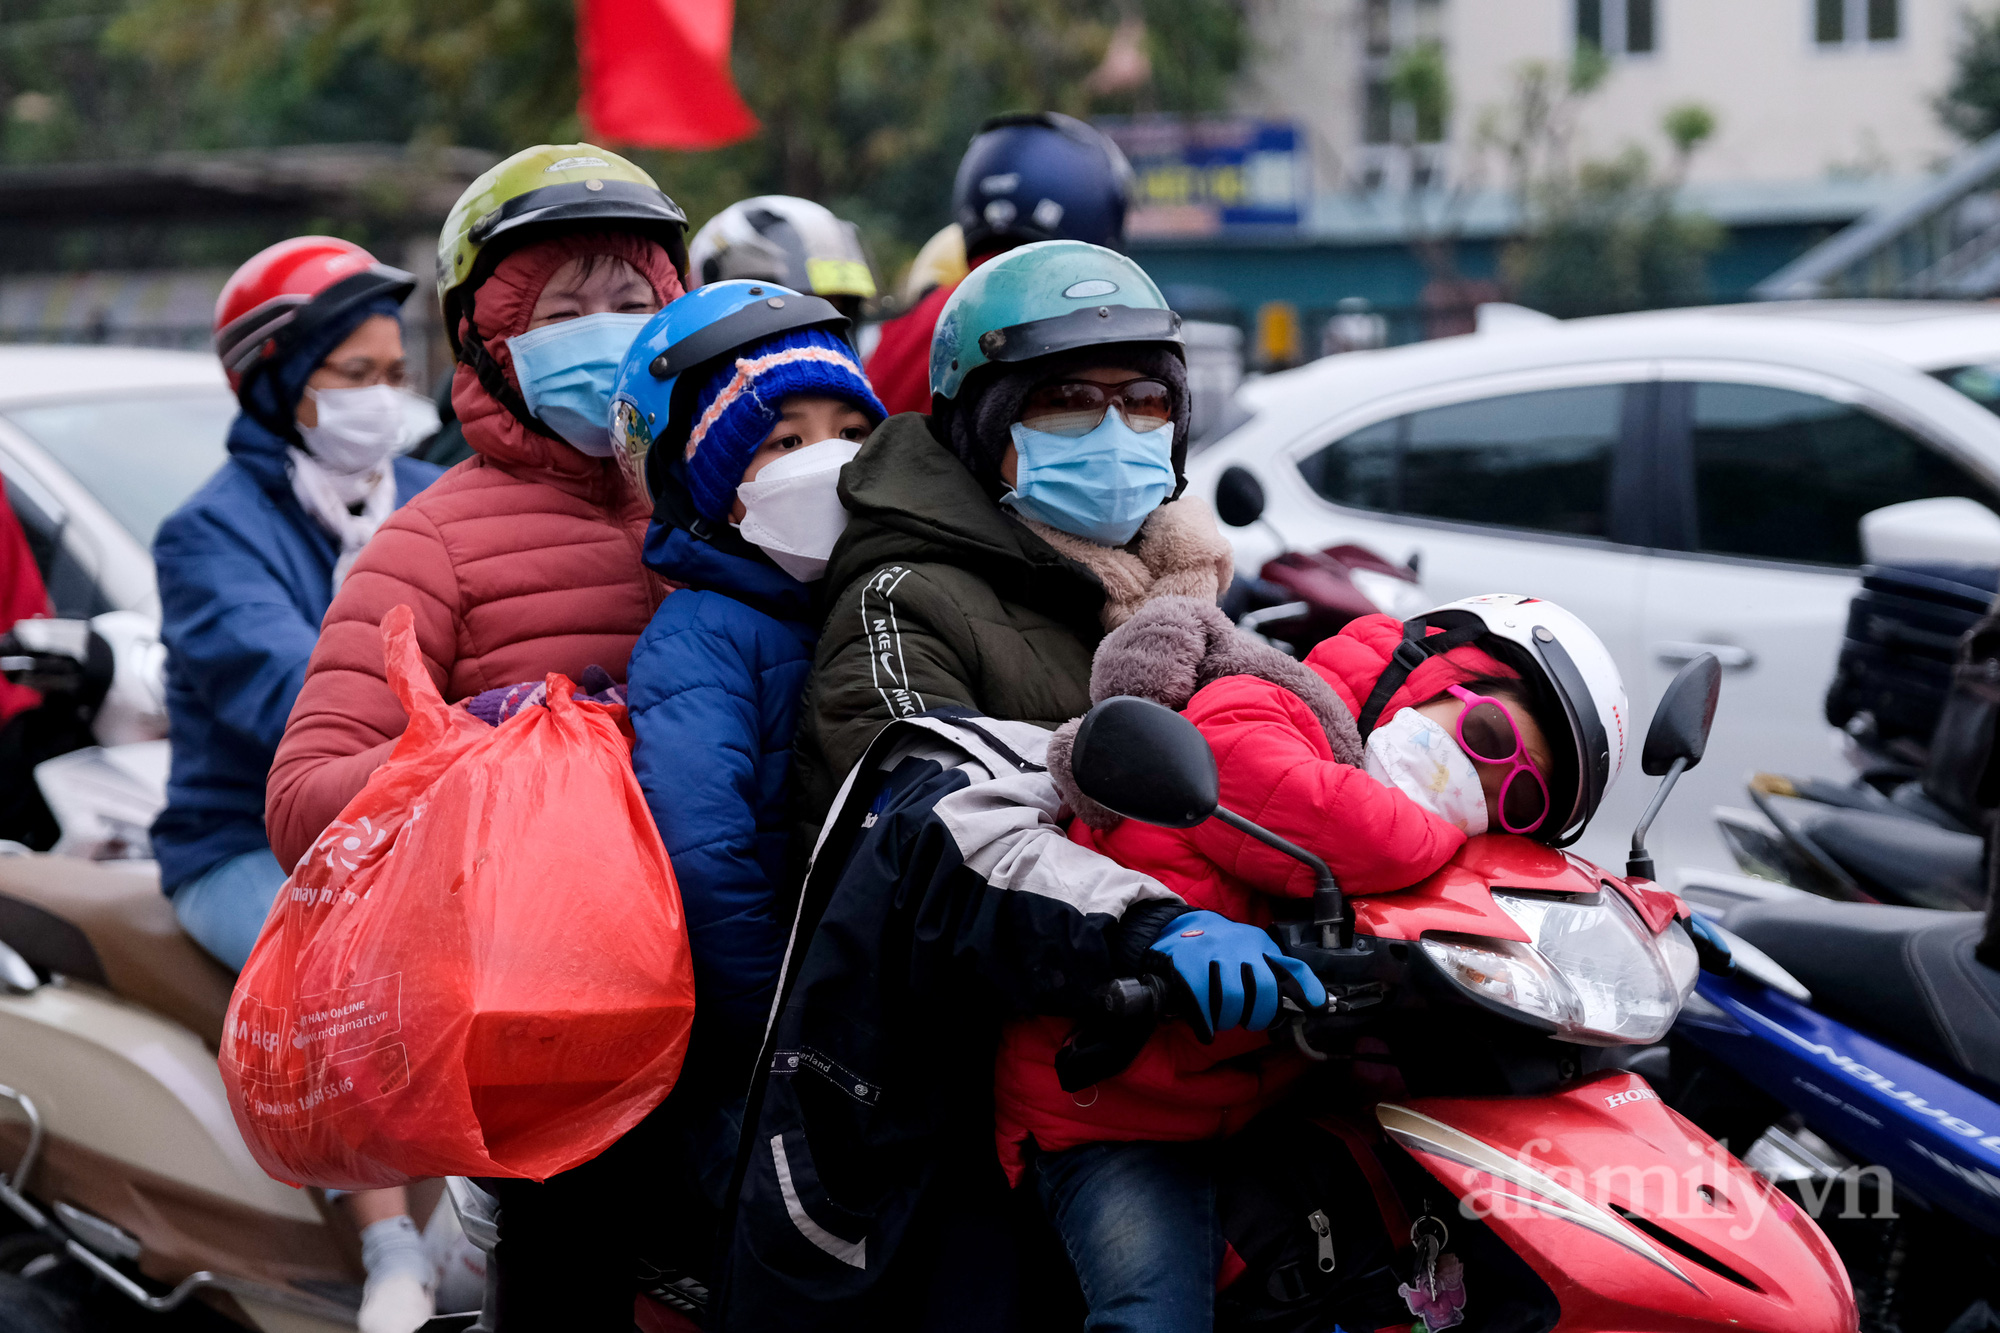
(522, 560)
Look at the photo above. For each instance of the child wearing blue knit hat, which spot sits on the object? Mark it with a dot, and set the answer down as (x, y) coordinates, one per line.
(765, 409)
(741, 451)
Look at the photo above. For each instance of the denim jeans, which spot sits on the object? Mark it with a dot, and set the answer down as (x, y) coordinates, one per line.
(1138, 1220)
(224, 906)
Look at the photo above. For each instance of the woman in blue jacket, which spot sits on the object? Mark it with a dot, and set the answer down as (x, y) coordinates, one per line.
(310, 335)
(739, 402)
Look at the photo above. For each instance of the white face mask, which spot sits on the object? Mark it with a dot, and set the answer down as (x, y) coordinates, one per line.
(358, 428)
(792, 508)
(1419, 758)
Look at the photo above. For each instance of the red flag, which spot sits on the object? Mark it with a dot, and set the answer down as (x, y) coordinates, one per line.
(656, 73)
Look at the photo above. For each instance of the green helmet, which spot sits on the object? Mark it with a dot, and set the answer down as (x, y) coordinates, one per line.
(554, 186)
(1052, 296)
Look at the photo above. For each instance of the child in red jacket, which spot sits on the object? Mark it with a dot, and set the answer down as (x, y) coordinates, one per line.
(1124, 1167)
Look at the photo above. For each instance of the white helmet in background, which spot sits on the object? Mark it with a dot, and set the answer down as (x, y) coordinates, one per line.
(793, 242)
(1579, 669)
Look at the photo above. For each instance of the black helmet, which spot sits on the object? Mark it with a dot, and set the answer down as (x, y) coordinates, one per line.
(1040, 176)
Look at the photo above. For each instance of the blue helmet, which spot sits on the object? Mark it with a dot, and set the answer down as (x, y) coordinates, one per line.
(659, 379)
(1040, 176)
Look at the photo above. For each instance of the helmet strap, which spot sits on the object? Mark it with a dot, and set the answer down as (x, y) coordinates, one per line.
(1419, 645)
(246, 398)
(472, 351)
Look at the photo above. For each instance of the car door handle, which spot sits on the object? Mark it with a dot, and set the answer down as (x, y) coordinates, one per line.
(1731, 656)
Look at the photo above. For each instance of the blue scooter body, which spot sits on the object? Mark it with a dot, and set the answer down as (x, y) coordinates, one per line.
(1939, 1138)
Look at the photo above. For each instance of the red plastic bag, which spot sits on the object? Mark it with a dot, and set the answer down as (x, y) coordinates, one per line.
(480, 969)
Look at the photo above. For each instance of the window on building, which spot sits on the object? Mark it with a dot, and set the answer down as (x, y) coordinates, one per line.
(1617, 27)
(1378, 19)
(1539, 461)
(1842, 22)
(1787, 475)
(1378, 121)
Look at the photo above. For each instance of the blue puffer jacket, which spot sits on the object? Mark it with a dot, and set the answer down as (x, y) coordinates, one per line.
(245, 578)
(714, 691)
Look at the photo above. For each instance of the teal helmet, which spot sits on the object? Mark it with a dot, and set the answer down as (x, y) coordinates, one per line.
(1052, 296)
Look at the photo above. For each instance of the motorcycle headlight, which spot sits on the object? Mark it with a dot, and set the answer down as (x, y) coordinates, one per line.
(1590, 967)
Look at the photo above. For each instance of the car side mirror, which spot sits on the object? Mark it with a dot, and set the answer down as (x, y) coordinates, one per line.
(1146, 762)
(1950, 529)
(1682, 721)
(1674, 744)
(1239, 496)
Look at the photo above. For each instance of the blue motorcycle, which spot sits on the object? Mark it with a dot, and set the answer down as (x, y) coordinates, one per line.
(1853, 1057)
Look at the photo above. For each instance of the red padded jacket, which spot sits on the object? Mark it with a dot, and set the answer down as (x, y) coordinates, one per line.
(1277, 769)
(522, 560)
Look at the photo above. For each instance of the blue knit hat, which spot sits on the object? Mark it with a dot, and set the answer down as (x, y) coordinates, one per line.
(741, 402)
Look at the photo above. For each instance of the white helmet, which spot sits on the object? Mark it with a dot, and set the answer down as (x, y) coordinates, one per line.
(793, 242)
(1578, 668)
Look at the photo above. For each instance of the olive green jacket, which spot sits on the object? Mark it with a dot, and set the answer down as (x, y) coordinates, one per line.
(937, 598)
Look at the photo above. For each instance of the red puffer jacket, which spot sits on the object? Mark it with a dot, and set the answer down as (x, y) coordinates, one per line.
(520, 561)
(1278, 768)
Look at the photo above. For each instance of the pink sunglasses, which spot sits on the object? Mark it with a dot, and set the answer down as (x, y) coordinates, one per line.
(1486, 732)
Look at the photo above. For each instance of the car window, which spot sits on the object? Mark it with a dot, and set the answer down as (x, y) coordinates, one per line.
(1360, 469)
(1980, 383)
(1787, 475)
(66, 577)
(139, 456)
(1539, 460)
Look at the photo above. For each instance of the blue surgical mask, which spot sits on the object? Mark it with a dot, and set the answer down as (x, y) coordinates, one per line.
(1098, 486)
(567, 371)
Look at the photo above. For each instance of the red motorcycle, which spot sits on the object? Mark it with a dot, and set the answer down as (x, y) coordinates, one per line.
(1501, 999)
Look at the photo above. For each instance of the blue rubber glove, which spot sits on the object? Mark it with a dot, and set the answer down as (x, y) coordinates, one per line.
(1231, 974)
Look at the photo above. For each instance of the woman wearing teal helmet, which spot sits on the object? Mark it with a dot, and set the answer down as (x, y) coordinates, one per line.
(1030, 513)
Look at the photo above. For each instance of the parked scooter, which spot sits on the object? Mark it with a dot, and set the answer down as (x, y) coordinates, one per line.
(122, 1161)
(1301, 597)
(1855, 1059)
(1501, 990)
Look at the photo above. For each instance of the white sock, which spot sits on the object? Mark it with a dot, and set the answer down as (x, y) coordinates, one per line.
(397, 1297)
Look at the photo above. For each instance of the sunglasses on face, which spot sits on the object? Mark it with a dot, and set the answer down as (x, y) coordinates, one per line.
(1487, 734)
(1075, 407)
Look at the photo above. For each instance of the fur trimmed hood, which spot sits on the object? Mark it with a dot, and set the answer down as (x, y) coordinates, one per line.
(1173, 647)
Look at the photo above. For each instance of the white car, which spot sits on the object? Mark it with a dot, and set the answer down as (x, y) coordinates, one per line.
(1683, 480)
(97, 446)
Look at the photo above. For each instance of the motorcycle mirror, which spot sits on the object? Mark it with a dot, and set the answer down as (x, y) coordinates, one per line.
(1681, 722)
(1674, 744)
(1239, 497)
(1146, 762)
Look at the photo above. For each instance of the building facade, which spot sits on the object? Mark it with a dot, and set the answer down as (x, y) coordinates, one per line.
(1802, 90)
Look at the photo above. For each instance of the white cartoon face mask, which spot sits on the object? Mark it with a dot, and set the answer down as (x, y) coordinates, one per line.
(1419, 758)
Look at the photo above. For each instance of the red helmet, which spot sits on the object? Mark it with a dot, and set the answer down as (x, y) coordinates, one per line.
(284, 292)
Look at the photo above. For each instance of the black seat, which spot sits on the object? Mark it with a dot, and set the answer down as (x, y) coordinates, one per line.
(1891, 856)
(1904, 974)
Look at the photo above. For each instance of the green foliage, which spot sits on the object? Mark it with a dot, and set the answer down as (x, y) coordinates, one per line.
(1609, 238)
(1970, 105)
(1588, 68)
(866, 104)
(1419, 79)
(1597, 236)
(1688, 126)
